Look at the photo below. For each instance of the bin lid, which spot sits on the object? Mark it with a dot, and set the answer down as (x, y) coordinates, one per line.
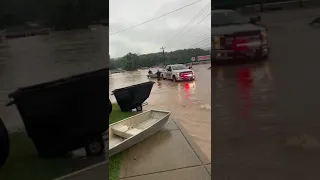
(54, 83)
(132, 86)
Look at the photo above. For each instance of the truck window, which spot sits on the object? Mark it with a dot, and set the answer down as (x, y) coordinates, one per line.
(179, 67)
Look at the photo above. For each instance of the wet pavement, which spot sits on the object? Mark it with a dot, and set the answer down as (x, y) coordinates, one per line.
(164, 155)
(266, 114)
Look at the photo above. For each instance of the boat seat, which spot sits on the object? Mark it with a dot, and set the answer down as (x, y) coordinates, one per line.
(119, 130)
(132, 132)
(124, 131)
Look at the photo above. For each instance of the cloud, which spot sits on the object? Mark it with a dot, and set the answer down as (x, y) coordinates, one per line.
(150, 37)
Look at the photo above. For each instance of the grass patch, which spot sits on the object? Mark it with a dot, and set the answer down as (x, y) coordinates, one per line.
(24, 162)
(115, 161)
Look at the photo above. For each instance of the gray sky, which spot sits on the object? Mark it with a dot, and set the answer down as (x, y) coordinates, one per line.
(150, 37)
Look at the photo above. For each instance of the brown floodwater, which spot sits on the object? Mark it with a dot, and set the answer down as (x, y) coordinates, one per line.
(189, 102)
(266, 114)
(38, 59)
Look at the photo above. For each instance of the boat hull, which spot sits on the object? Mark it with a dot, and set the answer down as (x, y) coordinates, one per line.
(127, 143)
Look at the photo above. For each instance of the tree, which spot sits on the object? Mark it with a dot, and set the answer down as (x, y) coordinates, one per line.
(133, 61)
(130, 61)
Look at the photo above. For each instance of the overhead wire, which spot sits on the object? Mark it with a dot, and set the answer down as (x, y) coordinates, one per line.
(206, 46)
(155, 18)
(201, 45)
(199, 42)
(197, 15)
(196, 24)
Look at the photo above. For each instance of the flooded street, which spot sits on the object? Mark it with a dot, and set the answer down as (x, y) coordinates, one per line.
(189, 102)
(266, 114)
(31, 60)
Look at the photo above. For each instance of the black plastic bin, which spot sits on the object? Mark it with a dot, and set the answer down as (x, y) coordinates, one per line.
(66, 114)
(132, 97)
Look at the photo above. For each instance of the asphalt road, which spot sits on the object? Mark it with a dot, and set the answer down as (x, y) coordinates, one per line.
(266, 115)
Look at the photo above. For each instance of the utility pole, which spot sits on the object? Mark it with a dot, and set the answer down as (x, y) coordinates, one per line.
(164, 60)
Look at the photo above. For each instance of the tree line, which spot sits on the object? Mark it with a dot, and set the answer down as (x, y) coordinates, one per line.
(132, 61)
(60, 14)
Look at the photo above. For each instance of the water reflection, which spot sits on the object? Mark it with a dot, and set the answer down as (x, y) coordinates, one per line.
(244, 108)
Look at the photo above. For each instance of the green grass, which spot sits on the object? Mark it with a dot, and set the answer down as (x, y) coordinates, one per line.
(115, 161)
(24, 162)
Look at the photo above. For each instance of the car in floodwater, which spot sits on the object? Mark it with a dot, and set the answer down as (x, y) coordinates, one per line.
(178, 72)
(234, 36)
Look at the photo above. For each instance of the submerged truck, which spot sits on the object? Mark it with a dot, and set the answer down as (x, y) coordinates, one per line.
(235, 36)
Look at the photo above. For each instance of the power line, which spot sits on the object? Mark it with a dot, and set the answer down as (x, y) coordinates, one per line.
(206, 46)
(199, 42)
(154, 18)
(196, 24)
(188, 23)
(199, 45)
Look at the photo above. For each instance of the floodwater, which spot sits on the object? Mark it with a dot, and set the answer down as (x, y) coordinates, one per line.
(189, 102)
(266, 114)
(32, 60)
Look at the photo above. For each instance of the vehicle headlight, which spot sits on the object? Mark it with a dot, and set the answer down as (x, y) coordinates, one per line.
(264, 37)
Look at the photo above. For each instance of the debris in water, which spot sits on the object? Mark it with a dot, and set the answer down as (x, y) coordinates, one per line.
(206, 106)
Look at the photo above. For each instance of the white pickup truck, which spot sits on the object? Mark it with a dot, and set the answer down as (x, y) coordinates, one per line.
(178, 72)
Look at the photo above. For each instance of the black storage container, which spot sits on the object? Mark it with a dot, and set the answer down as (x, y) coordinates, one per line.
(66, 114)
(132, 97)
(4, 144)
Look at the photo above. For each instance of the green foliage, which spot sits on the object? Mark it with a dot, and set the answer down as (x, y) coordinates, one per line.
(115, 161)
(24, 158)
(133, 61)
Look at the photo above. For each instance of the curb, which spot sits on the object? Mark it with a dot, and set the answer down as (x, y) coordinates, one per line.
(84, 170)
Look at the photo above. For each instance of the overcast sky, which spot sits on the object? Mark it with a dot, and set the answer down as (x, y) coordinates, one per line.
(150, 37)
